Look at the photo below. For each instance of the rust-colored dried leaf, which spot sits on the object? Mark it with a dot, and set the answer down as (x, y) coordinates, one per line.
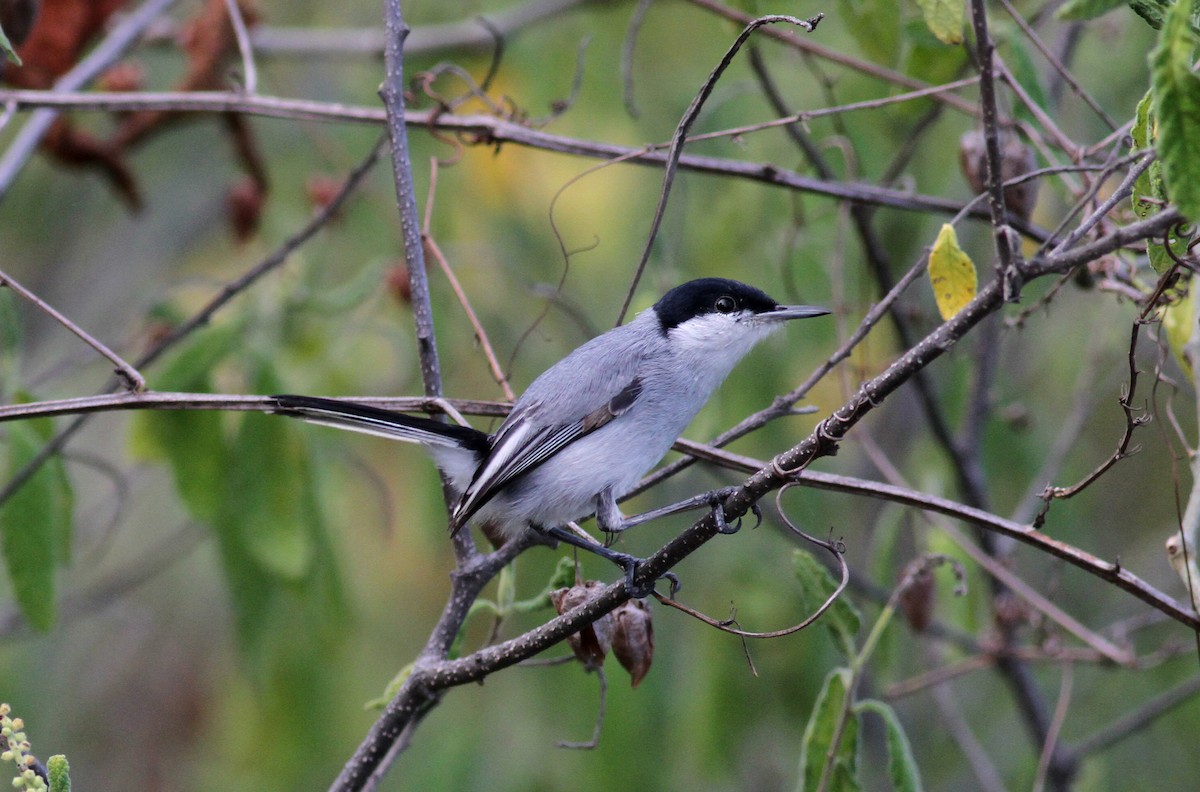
(210, 45)
(1016, 159)
(321, 189)
(592, 643)
(398, 284)
(633, 639)
(916, 600)
(61, 32)
(245, 203)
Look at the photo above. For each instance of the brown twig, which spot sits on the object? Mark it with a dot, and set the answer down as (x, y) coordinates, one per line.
(245, 48)
(204, 315)
(681, 132)
(1133, 419)
(836, 56)
(130, 376)
(490, 130)
(460, 294)
(985, 50)
(725, 625)
(1059, 67)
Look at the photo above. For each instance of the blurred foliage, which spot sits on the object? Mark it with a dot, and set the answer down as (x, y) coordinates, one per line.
(240, 587)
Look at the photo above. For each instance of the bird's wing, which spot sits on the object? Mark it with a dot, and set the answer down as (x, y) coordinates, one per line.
(521, 445)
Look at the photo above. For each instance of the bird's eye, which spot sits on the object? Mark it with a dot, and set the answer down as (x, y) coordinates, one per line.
(725, 304)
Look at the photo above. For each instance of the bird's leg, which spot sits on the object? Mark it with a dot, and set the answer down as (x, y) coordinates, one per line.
(714, 500)
(608, 515)
(627, 562)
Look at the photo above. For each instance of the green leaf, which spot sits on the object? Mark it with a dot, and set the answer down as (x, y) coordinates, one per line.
(928, 60)
(875, 26)
(391, 690)
(10, 323)
(1026, 73)
(1149, 193)
(951, 273)
(1177, 104)
(261, 485)
(1154, 12)
(902, 767)
(192, 442)
(945, 19)
(816, 584)
(831, 735)
(7, 49)
(35, 524)
(1078, 10)
(1179, 321)
(506, 590)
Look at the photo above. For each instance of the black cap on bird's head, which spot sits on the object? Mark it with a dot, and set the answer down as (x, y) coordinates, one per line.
(723, 296)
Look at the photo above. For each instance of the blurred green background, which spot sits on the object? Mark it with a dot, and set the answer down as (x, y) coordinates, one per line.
(173, 666)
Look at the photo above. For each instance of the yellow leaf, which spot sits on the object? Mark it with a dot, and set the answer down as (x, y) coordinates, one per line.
(951, 273)
(945, 19)
(1179, 319)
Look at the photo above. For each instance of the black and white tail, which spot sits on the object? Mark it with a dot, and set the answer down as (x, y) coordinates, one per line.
(382, 423)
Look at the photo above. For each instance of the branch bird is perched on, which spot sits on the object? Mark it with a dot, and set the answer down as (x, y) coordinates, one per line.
(588, 429)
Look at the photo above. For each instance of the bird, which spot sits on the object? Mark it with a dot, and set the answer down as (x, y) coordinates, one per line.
(585, 432)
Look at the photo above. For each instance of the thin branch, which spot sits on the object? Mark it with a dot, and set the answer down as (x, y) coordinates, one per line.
(1135, 722)
(804, 116)
(474, 34)
(1061, 139)
(392, 93)
(431, 246)
(482, 130)
(631, 35)
(1133, 420)
(837, 549)
(836, 56)
(202, 317)
(591, 744)
(985, 50)
(1045, 760)
(977, 756)
(680, 137)
(245, 48)
(132, 379)
(1058, 65)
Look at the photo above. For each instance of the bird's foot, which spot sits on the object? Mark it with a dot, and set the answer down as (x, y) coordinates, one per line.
(716, 501)
(632, 565)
